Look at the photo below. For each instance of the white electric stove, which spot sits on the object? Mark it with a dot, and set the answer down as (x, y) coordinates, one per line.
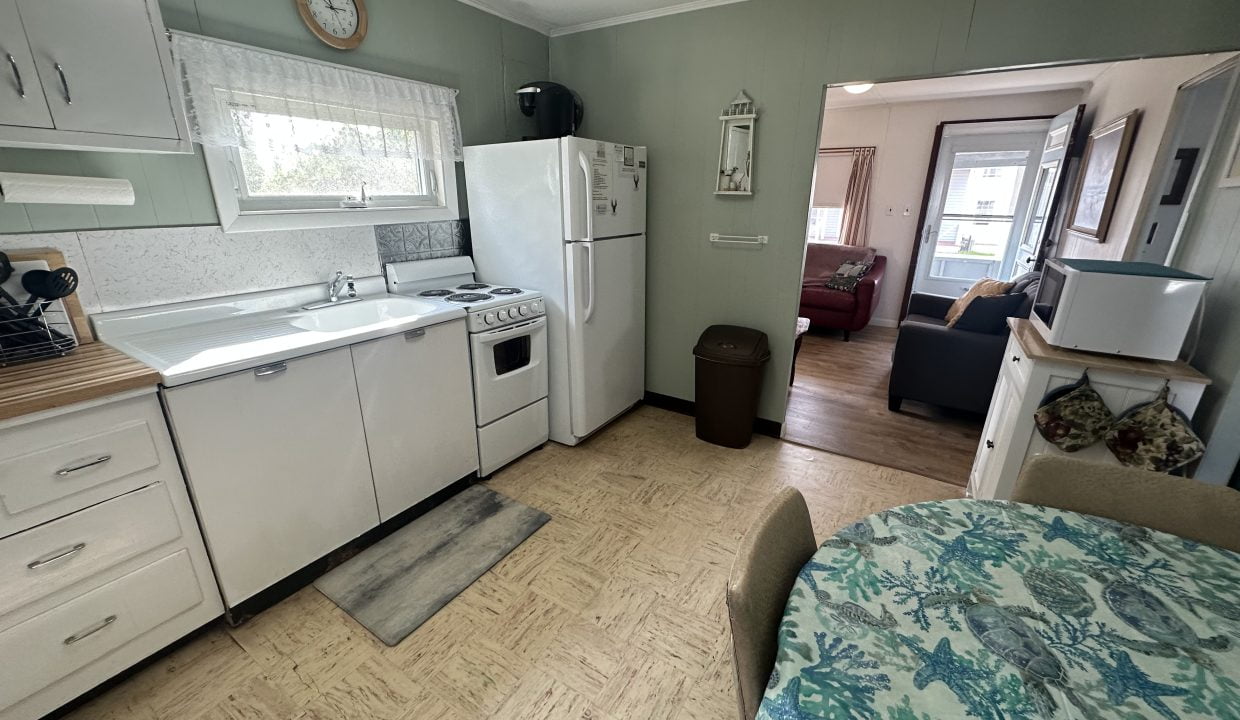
(508, 352)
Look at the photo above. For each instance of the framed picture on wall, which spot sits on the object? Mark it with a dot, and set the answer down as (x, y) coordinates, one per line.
(1102, 171)
(1231, 173)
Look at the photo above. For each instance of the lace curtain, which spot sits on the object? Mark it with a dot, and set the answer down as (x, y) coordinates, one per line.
(238, 96)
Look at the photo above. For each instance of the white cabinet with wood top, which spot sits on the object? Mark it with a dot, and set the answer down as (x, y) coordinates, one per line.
(88, 75)
(276, 461)
(101, 560)
(1032, 369)
(417, 402)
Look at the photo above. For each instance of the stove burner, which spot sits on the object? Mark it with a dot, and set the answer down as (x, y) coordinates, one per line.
(506, 291)
(468, 297)
(435, 293)
(472, 286)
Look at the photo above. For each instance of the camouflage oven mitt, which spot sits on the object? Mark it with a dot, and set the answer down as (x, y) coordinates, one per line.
(1155, 436)
(1073, 417)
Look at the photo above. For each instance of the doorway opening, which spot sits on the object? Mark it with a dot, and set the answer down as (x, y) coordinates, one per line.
(961, 179)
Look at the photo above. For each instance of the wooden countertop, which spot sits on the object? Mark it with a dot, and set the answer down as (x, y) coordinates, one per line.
(1035, 347)
(93, 370)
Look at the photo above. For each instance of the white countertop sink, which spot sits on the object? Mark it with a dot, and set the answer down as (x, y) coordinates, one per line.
(202, 339)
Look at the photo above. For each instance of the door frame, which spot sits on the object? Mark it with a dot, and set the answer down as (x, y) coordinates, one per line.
(911, 275)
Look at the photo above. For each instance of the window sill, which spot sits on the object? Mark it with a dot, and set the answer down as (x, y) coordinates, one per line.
(342, 217)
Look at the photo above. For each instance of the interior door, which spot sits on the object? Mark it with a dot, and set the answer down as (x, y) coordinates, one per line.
(978, 199)
(1037, 235)
(21, 96)
(100, 71)
(606, 329)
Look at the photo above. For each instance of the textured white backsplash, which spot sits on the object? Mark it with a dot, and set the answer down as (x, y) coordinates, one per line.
(122, 269)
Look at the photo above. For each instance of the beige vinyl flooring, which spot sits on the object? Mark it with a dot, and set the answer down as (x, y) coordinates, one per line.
(614, 610)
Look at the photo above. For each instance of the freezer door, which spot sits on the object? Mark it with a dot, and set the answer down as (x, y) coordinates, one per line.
(606, 329)
(604, 189)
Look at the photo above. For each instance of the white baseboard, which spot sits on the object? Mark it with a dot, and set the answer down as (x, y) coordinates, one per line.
(885, 322)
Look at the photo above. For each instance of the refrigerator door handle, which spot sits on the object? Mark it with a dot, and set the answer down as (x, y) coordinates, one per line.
(589, 247)
(584, 163)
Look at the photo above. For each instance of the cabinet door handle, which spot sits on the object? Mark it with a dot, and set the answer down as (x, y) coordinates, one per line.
(272, 369)
(1015, 358)
(990, 445)
(90, 464)
(64, 83)
(79, 636)
(36, 564)
(17, 75)
(415, 334)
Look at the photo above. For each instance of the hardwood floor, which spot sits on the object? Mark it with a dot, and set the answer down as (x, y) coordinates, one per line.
(614, 610)
(839, 404)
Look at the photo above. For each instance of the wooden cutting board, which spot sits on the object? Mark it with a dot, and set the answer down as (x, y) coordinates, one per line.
(55, 259)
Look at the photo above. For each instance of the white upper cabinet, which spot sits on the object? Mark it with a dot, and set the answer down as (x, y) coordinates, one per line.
(96, 76)
(21, 96)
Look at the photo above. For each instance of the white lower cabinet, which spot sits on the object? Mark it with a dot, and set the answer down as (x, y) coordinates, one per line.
(418, 408)
(101, 560)
(1010, 436)
(276, 461)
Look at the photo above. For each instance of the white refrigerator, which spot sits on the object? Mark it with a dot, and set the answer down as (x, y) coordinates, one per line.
(568, 217)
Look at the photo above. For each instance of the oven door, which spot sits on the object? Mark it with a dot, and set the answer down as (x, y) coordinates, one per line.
(510, 369)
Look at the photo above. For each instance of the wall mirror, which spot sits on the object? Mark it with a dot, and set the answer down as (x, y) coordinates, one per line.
(736, 144)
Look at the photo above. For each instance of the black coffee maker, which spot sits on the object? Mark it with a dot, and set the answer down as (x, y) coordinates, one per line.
(557, 111)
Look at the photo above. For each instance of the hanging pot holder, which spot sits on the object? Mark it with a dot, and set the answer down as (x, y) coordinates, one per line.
(1155, 436)
(1073, 417)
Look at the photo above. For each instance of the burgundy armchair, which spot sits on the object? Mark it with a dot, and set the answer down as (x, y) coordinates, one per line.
(839, 309)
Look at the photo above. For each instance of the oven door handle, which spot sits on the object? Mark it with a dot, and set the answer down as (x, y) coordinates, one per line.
(493, 336)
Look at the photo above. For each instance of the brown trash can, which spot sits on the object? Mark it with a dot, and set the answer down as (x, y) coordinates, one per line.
(728, 366)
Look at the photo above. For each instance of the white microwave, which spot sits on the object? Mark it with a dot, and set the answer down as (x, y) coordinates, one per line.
(1122, 308)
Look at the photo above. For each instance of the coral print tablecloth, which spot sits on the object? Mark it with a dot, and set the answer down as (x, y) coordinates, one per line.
(985, 609)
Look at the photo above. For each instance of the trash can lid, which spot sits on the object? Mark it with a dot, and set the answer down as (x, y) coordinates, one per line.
(733, 345)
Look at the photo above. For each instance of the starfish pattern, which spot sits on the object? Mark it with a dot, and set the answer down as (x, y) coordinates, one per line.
(1126, 680)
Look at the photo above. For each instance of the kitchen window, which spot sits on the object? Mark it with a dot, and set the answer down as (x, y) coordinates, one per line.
(296, 143)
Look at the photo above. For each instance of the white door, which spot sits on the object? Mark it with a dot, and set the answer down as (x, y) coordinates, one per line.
(606, 329)
(100, 68)
(992, 449)
(604, 189)
(417, 404)
(978, 199)
(21, 96)
(1048, 189)
(276, 461)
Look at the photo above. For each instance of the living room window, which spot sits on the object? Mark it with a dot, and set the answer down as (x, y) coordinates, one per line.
(824, 224)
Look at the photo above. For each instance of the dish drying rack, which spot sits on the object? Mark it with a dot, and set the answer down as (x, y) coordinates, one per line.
(29, 332)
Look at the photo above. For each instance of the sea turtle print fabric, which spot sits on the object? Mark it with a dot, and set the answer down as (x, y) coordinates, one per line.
(995, 610)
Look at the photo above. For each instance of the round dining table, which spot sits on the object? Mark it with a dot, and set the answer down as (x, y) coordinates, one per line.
(996, 610)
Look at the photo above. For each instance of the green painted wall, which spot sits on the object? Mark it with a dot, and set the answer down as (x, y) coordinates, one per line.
(438, 41)
(662, 83)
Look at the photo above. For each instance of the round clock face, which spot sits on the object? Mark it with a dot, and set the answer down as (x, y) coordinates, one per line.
(338, 18)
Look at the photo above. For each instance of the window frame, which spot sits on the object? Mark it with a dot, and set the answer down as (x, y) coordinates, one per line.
(809, 222)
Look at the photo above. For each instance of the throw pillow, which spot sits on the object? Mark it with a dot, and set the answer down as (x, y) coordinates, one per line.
(989, 314)
(986, 287)
(847, 277)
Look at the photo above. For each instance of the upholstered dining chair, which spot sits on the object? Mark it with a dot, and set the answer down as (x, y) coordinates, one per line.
(1206, 513)
(771, 554)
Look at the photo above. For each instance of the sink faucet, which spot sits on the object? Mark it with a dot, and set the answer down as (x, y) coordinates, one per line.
(334, 285)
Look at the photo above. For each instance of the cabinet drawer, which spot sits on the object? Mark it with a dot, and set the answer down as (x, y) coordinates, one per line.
(68, 637)
(52, 556)
(74, 464)
(1017, 364)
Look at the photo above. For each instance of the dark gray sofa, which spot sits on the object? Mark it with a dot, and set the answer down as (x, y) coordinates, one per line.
(944, 366)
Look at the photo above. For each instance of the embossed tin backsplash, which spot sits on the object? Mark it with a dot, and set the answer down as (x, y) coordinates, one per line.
(422, 241)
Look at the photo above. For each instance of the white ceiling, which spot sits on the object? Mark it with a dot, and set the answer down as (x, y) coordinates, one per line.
(986, 84)
(560, 17)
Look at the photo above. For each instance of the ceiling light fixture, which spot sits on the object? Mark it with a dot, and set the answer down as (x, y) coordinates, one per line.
(858, 88)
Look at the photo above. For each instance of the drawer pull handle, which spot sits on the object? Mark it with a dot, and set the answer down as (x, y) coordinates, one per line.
(1015, 358)
(36, 564)
(70, 470)
(415, 334)
(76, 637)
(273, 369)
(17, 75)
(990, 445)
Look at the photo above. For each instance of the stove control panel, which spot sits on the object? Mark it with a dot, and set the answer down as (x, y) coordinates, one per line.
(483, 320)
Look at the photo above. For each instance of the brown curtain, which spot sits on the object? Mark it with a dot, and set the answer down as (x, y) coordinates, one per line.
(855, 225)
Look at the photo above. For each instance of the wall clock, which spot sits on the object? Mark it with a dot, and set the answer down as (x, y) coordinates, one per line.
(339, 23)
